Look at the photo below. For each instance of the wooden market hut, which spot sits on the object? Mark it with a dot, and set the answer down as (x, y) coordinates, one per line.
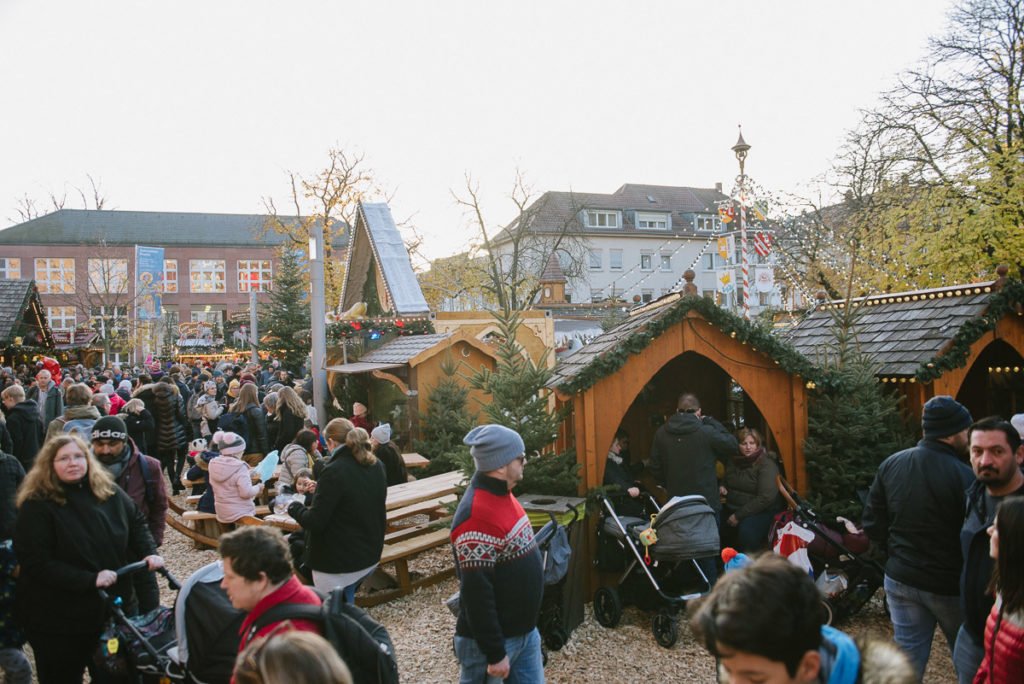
(966, 341)
(24, 332)
(632, 375)
(401, 375)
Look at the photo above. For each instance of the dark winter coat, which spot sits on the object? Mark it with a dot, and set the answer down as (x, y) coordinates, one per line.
(684, 452)
(394, 465)
(63, 547)
(752, 487)
(914, 513)
(54, 402)
(26, 432)
(975, 600)
(6, 443)
(173, 430)
(154, 506)
(346, 523)
(11, 475)
(289, 425)
(141, 429)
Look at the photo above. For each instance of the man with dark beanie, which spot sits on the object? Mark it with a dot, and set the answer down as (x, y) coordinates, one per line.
(914, 513)
(499, 566)
(142, 480)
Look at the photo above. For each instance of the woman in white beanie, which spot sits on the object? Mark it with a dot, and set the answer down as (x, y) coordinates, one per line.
(387, 452)
(230, 478)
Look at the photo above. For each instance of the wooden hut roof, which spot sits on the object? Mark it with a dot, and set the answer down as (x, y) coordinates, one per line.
(903, 332)
(413, 349)
(16, 298)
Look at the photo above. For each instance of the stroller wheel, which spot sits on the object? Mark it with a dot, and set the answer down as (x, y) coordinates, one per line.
(828, 610)
(607, 607)
(665, 626)
(555, 639)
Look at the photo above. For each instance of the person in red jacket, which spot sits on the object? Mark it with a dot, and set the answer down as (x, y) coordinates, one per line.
(258, 576)
(1004, 633)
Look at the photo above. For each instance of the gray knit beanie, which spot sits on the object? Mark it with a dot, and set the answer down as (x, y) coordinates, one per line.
(944, 416)
(493, 446)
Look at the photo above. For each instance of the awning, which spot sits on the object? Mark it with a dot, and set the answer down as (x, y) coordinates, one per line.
(362, 367)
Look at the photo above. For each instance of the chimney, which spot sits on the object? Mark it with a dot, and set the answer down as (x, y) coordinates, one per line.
(718, 187)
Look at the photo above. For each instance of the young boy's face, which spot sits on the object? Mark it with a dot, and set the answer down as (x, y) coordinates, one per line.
(748, 668)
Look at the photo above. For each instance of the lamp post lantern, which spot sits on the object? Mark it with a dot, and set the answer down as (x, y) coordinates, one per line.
(741, 148)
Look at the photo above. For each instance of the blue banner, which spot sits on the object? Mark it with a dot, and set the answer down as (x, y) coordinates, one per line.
(149, 280)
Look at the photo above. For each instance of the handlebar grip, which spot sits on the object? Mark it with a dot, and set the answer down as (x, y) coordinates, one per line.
(132, 568)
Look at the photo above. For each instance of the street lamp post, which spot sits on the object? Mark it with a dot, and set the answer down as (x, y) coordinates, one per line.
(318, 331)
(740, 149)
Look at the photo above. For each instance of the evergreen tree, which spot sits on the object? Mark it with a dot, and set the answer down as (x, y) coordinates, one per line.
(287, 312)
(445, 422)
(852, 427)
(519, 400)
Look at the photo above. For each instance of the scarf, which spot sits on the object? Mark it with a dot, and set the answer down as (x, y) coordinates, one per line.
(747, 461)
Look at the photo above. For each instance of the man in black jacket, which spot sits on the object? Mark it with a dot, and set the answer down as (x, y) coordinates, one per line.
(914, 513)
(23, 424)
(683, 458)
(996, 457)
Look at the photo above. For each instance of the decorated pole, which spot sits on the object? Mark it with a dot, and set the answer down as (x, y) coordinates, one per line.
(740, 149)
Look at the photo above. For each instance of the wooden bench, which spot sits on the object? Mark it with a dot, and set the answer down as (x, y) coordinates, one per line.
(203, 528)
(433, 508)
(398, 554)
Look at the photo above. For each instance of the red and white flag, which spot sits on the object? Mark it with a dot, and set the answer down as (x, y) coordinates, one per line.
(762, 243)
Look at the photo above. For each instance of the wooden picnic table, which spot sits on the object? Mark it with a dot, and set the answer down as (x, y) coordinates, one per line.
(414, 460)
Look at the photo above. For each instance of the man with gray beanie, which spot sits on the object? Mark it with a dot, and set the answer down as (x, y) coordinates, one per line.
(914, 513)
(499, 566)
(142, 480)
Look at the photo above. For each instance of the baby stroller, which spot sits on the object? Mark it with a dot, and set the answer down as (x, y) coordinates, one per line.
(134, 648)
(666, 577)
(556, 620)
(832, 553)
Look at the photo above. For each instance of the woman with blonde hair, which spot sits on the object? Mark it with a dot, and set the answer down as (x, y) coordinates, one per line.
(346, 523)
(247, 405)
(75, 527)
(290, 656)
(291, 416)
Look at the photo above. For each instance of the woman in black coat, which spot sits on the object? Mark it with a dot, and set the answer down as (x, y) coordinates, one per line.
(140, 424)
(75, 527)
(254, 426)
(346, 523)
(172, 431)
(291, 417)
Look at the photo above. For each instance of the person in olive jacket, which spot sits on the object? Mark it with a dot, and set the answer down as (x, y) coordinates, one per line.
(345, 525)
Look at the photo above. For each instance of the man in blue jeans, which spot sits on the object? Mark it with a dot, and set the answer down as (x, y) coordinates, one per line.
(914, 513)
(499, 566)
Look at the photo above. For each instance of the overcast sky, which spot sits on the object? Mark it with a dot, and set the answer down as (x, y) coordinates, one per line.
(204, 106)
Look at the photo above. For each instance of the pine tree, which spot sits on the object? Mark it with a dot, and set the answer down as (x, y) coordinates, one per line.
(519, 400)
(445, 422)
(852, 427)
(287, 312)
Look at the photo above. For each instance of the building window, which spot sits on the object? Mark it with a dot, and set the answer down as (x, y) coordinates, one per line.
(646, 295)
(254, 274)
(646, 261)
(108, 276)
(61, 317)
(596, 260)
(170, 282)
(206, 275)
(10, 269)
(666, 262)
(709, 294)
(615, 259)
(708, 224)
(596, 294)
(109, 321)
(211, 316)
(652, 221)
(602, 219)
(55, 276)
(764, 298)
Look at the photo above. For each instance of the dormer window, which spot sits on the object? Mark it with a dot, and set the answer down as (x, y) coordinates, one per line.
(652, 221)
(707, 224)
(602, 219)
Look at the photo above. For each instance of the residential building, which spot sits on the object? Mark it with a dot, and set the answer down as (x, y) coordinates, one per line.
(83, 263)
(639, 240)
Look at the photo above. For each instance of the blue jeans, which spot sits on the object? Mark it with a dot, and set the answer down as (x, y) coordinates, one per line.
(967, 656)
(524, 657)
(915, 613)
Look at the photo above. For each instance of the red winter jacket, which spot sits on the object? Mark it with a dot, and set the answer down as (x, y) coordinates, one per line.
(1004, 659)
(291, 591)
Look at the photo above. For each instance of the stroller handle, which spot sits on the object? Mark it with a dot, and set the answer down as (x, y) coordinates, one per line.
(140, 566)
(787, 492)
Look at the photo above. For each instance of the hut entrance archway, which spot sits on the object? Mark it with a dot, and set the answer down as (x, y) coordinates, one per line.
(994, 384)
(779, 395)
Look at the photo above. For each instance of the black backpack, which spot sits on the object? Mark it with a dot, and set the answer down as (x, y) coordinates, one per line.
(362, 642)
(237, 423)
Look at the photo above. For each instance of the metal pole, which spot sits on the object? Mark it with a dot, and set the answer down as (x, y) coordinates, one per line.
(743, 248)
(253, 319)
(318, 328)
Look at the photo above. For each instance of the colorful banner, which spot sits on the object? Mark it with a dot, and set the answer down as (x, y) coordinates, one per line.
(764, 278)
(727, 247)
(762, 243)
(726, 213)
(725, 281)
(149, 278)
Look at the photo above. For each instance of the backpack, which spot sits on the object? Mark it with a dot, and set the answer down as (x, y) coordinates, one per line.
(235, 422)
(193, 409)
(144, 469)
(362, 642)
(81, 427)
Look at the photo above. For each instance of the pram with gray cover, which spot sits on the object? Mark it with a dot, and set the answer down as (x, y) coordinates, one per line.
(686, 530)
